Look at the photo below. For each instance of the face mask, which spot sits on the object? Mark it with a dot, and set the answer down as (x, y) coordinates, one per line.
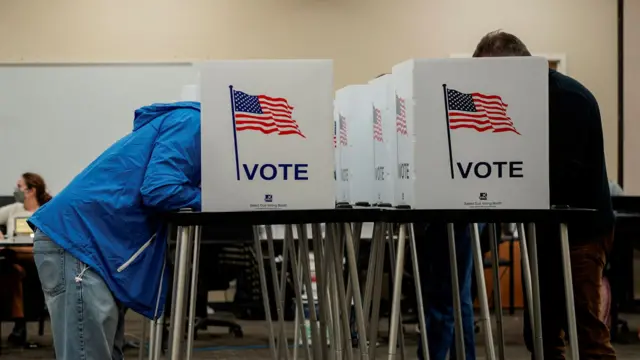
(18, 195)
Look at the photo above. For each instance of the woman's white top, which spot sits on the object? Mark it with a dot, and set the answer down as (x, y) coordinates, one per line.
(8, 215)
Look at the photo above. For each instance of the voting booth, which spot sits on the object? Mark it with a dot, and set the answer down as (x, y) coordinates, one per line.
(384, 140)
(355, 109)
(266, 130)
(432, 138)
(476, 133)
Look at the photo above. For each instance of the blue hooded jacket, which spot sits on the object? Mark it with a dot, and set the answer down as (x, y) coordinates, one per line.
(107, 217)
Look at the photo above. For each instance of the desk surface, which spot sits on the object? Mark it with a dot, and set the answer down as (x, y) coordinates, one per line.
(377, 215)
(17, 241)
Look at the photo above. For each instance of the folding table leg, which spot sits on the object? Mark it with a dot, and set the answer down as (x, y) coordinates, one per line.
(282, 343)
(497, 294)
(419, 301)
(397, 292)
(193, 291)
(379, 242)
(536, 315)
(265, 291)
(455, 286)
(568, 291)
(392, 268)
(485, 317)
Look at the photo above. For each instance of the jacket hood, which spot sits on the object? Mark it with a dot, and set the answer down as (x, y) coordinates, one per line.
(146, 114)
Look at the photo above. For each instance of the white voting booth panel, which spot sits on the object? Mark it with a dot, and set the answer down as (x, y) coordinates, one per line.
(402, 144)
(384, 136)
(478, 131)
(190, 93)
(339, 137)
(266, 130)
(342, 149)
(355, 110)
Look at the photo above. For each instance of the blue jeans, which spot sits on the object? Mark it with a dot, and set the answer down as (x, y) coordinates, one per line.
(435, 275)
(87, 322)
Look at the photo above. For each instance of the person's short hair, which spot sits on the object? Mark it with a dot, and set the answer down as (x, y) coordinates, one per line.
(499, 43)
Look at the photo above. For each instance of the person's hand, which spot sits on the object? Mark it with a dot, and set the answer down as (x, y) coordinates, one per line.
(1, 236)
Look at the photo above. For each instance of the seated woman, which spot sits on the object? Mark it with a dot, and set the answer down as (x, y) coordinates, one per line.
(30, 194)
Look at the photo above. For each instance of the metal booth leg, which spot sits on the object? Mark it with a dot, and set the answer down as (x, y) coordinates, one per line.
(303, 242)
(568, 291)
(485, 317)
(536, 315)
(333, 295)
(298, 326)
(371, 271)
(455, 289)
(282, 343)
(526, 272)
(157, 327)
(283, 292)
(193, 292)
(321, 285)
(265, 291)
(357, 295)
(418, 284)
(297, 288)
(379, 241)
(336, 246)
(497, 293)
(178, 311)
(397, 292)
(158, 330)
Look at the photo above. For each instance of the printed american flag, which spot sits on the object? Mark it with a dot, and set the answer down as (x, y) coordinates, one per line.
(335, 127)
(401, 116)
(478, 111)
(377, 124)
(343, 130)
(265, 114)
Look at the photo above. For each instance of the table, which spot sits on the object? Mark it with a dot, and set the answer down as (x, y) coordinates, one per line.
(330, 324)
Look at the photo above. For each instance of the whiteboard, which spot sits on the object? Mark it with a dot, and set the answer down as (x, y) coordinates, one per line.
(55, 119)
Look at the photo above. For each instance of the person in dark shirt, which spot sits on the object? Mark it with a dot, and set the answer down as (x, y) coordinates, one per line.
(578, 178)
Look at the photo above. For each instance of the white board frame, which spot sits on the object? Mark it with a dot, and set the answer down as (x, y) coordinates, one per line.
(65, 143)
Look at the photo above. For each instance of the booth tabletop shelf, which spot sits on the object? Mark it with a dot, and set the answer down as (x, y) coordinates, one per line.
(267, 217)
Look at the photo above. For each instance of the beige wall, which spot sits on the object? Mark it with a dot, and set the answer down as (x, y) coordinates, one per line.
(631, 96)
(365, 37)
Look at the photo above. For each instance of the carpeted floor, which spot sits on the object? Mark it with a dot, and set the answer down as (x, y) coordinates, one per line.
(216, 343)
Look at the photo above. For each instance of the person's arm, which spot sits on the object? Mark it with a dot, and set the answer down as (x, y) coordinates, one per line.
(172, 178)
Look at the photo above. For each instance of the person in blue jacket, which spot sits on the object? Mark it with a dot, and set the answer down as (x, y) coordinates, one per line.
(99, 245)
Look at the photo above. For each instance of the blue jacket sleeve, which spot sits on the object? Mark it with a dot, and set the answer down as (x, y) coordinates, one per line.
(172, 178)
